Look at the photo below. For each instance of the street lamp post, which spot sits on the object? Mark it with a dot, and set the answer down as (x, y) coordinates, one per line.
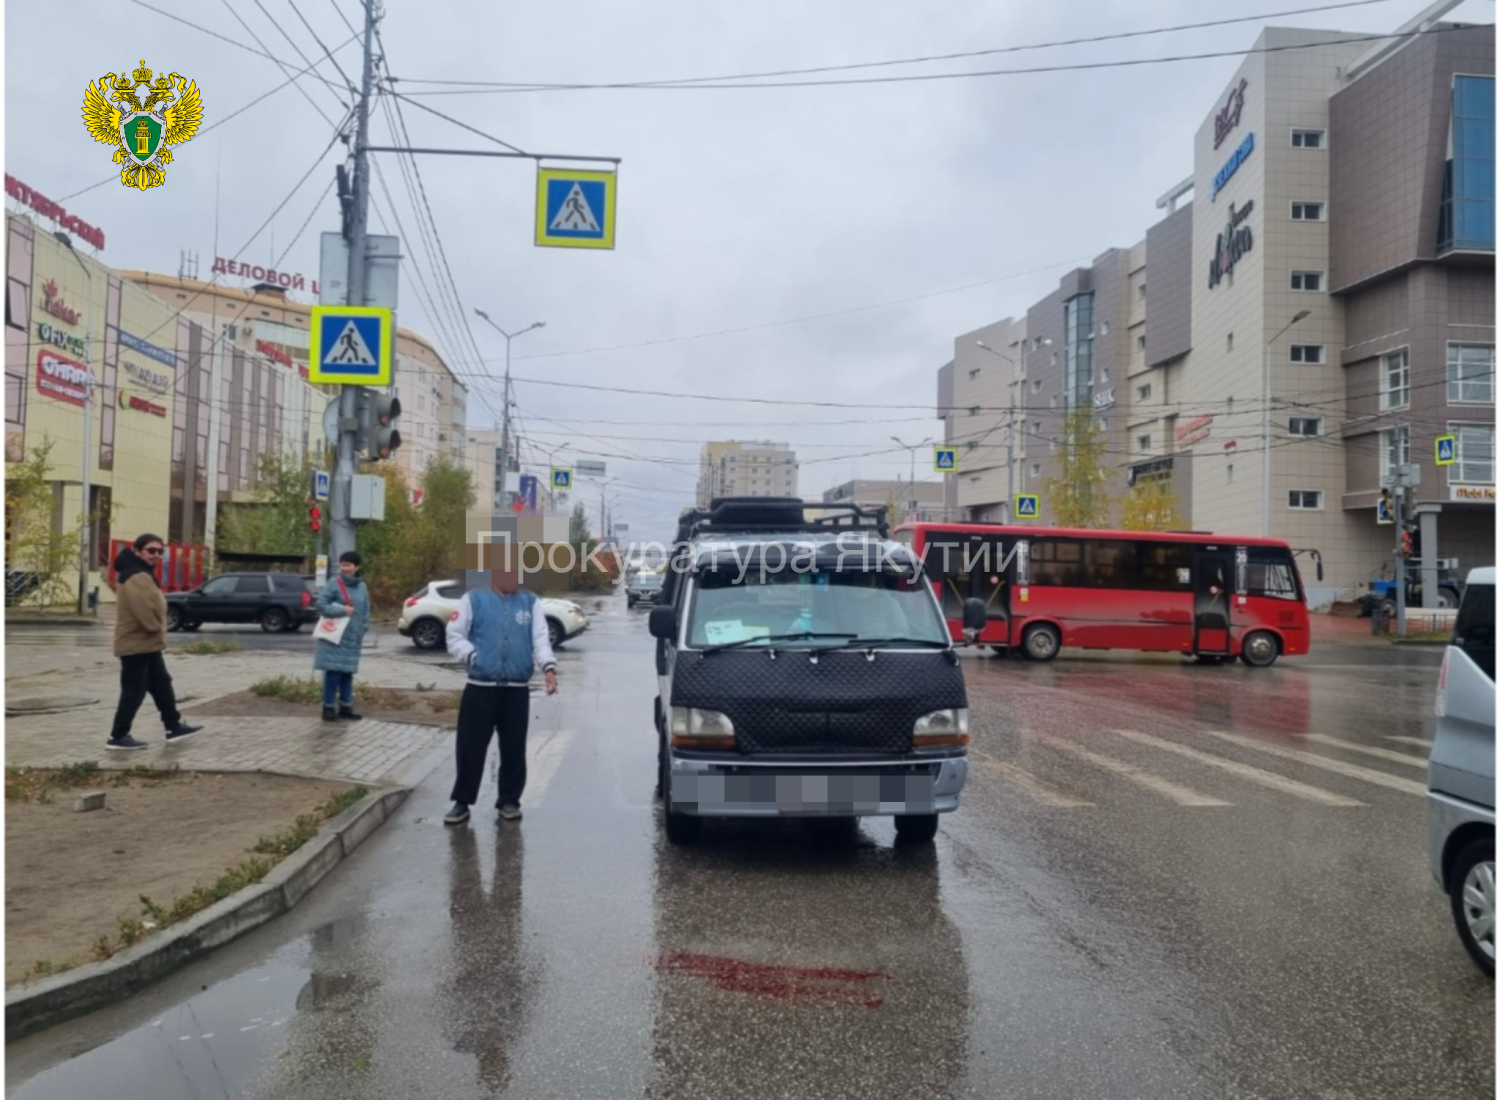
(1265, 429)
(911, 485)
(551, 492)
(1010, 420)
(505, 429)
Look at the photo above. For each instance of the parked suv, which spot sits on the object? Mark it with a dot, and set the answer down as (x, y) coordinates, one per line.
(1461, 772)
(278, 601)
(805, 669)
(644, 587)
(424, 618)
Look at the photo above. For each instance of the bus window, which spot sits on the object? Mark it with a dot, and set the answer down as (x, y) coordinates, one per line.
(1057, 563)
(1112, 564)
(1271, 575)
(1166, 567)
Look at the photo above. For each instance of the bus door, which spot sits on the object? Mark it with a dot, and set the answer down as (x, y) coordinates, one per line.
(992, 580)
(1211, 577)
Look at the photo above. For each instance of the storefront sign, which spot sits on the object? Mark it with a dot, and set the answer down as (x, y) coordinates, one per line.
(1472, 494)
(270, 351)
(129, 400)
(1228, 118)
(287, 279)
(1194, 431)
(161, 355)
(1105, 399)
(49, 209)
(62, 379)
(148, 379)
(1234, 240)
(53, 303)
(1232, 165)
(60, 339)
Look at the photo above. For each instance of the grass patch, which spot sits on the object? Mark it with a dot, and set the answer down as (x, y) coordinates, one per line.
(1421, 636)
(206, 646)
(291, 689)
(45, 968)
(309, 690)
(39, 784)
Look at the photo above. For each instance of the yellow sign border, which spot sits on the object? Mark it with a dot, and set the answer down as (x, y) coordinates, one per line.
(552, 478)
(1015, 505)
(316, 372)
(942, 470)
(544, 176)
(1437, 450)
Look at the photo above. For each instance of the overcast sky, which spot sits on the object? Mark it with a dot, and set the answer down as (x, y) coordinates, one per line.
(737, 208)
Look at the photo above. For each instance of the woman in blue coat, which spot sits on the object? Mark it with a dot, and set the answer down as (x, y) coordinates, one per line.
(345, 595)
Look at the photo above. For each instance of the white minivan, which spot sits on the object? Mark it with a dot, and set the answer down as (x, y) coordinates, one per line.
(1461, 772)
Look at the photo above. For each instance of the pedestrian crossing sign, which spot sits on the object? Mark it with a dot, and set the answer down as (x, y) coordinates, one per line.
(575, 209)
(945, 460)
(351, 345)
(1446, 448)
(1028, 505)
(562, 479)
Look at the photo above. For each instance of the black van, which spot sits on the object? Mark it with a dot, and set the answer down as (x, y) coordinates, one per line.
(804, 669)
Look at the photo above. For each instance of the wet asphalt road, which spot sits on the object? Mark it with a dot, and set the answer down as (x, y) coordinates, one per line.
(1166, 880)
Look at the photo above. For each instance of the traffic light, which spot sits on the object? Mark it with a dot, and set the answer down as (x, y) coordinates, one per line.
(1406, 543)
(314, 518)
(377, 437)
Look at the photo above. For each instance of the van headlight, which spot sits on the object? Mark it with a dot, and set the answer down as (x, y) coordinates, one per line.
(942, 728)
(695, 728)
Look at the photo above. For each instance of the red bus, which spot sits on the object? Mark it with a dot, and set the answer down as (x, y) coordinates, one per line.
(1214, 597)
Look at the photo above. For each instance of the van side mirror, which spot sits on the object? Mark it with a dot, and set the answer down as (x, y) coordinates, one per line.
(663, 623)
(975, 616)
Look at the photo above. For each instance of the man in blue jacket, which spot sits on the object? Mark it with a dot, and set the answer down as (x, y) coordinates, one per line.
(500, 636)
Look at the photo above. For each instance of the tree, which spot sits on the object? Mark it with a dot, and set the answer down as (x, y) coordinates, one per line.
(416, 545)
(42, 555)
(1079, 497)
(277, 523)
(1151, 505)
(578, 527)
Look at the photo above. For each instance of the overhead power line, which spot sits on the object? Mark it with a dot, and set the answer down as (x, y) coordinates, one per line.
(959, 56)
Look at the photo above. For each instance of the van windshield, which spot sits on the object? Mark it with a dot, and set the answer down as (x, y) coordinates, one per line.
(1474, 632)
(840, 608)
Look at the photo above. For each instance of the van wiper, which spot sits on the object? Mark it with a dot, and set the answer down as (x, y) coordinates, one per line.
(881, 643)
(799, 635)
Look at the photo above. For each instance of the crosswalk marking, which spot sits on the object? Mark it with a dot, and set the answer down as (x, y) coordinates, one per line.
(1183, 796)
(544, 754)
(1411, 741)
(1048, 796)
(1244, 771)
(1382, 754)
(1352, 771)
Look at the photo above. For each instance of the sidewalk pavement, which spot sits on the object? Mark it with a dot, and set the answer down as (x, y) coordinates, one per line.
(367, 751)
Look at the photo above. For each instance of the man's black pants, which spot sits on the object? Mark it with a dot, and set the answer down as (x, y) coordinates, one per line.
(141, 673)
(483, 711)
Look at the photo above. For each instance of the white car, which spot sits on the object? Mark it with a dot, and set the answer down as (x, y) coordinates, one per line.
(424, 617)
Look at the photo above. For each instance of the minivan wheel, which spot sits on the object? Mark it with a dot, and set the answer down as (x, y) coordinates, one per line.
(273, 620)
(1041, 642)
(428, 634)
(1260, 650)
(681, 828)
(916, 828)
(1472, 891)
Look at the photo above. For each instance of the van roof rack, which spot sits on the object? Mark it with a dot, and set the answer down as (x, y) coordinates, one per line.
(766, 515)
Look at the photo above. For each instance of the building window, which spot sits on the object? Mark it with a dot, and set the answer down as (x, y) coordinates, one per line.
(1143, 442)
(973, 374)
(1229, 342)
(1466, 218)
(1304, 500)
(974, 480)
(973, 410)
(1106, 328)
(1078, 371)
(1054, 401)
(1142, 393)
(1395, 450)
(1036, 469)
(1307, 211)
(1307, 353)
(1305, 426)
(1307, 280)
(1140, 342)
(1229, 473)
(1471, 374)
(1141, 291)
(1036, 426)
(1307, 139)
(1475, 454)
(1395, 380)
(1036, 385)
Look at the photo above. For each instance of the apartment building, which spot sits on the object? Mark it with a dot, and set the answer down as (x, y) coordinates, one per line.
(758, 469)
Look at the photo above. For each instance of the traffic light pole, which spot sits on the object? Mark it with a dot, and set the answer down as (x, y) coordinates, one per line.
(341, 527)
(1399, 500)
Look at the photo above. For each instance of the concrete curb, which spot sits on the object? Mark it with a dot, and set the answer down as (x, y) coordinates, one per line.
(32, 1008)
(49, 620)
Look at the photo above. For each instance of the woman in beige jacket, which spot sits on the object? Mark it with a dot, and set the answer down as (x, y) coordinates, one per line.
(140, 644)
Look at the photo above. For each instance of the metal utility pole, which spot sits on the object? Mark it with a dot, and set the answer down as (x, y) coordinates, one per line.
(1265, 429)
(505, 423)
(911, 484)
(88, 487)
(341, 526)
(1398, 498)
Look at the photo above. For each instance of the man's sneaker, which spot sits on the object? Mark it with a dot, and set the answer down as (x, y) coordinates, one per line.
(126, 742)
(458, 815)
(183, 730)
(510, 811)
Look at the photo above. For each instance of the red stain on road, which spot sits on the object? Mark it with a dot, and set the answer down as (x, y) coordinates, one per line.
(822, 985)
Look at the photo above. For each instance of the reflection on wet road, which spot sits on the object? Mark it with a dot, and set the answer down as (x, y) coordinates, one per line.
(1166, 880)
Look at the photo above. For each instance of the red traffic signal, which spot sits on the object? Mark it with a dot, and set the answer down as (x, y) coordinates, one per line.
(1406, 547)
(315, 518)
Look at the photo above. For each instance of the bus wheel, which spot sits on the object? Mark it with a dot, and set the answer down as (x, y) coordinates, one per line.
(1260, 650)
(1041, 642)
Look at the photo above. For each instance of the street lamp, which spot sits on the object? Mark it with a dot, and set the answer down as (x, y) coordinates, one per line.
(505, 430)
(911, 485)
(551, 492)
(1010, 420)
(1265, 429)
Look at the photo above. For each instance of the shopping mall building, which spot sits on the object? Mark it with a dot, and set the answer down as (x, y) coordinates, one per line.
(185, 384)
(1320, 291)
